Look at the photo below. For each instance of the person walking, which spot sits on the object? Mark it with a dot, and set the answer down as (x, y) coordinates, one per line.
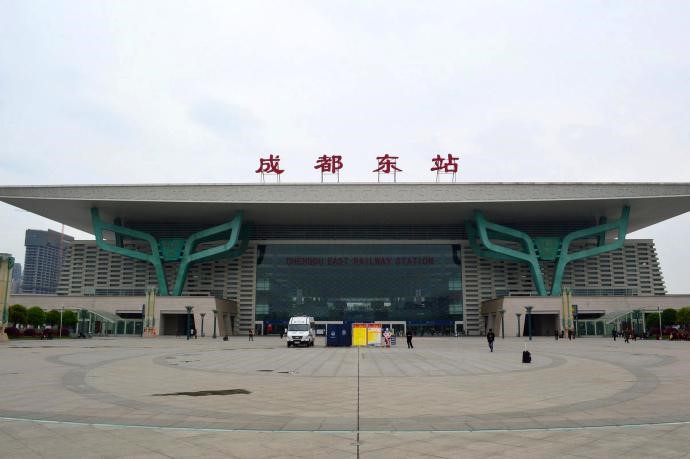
(614, 333)
(251, 334)
(409, 339)
(490, 337)
(281, 333)
(555, 334)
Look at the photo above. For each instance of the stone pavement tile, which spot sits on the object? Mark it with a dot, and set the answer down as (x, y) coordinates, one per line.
(304, 424)
(146, 455)
(19, 452)
(396, 445)
(278, 445)
(113, 380)
(338, 424)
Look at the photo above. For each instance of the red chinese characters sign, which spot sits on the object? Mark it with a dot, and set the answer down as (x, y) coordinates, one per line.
(449, 164)
(270, 165)
(329, 164)
(387, 164)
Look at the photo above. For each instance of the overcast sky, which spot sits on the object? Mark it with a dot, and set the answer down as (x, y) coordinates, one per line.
(165, 92)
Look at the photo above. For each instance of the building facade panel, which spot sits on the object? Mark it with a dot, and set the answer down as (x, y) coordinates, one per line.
(411, 295)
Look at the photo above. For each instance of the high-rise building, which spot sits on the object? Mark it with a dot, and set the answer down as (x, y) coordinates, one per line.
(16, 278)
(44, 254)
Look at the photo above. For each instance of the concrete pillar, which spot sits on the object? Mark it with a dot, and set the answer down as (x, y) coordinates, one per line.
(150, 327)
(6, 263)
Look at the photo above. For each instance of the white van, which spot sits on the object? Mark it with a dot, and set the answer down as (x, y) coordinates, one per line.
(300, 331)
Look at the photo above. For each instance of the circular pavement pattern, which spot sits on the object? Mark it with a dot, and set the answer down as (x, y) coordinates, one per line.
(444, 384)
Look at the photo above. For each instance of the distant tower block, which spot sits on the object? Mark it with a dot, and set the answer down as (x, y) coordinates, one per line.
(6, 263)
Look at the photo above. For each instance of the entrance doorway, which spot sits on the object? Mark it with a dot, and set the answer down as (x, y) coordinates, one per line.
(542, 325)
(175, 324)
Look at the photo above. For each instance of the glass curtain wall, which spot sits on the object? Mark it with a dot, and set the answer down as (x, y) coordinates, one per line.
(416, 283)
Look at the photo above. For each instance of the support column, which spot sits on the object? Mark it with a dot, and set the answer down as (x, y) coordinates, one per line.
(6, 264)
(150, 329)
(528, 319)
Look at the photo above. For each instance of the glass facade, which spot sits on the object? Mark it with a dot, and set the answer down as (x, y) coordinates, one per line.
(420, 284)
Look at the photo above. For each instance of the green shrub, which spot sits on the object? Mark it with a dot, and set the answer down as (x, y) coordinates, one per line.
(668, 317)
(17, 314)
(35, 316)
(683, 316)
(53, 317)
(69, 318)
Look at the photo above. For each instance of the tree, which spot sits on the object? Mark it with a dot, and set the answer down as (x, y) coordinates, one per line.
(53, 317)
(35, 316)
(69, 318)
(17, 314)
(652, 320)
(668, 317)
(683, 316)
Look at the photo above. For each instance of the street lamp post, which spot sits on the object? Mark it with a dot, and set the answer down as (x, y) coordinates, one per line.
(518, 319)
(503, 328)
(189, 317)
(82, 315)
(215, 314)
(529, 320)
(658, 309)
(203, 314)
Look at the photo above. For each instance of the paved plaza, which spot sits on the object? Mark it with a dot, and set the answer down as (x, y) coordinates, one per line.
(446, 398)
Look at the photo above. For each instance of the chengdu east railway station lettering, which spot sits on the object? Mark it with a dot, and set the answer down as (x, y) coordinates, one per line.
(361, 261)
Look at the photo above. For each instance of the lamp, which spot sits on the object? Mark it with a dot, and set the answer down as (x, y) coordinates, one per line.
(529, 320)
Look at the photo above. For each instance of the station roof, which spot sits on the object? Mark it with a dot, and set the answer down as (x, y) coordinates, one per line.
(353, 203)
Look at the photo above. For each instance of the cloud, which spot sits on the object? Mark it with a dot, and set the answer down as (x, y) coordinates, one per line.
(167, 91)
(227, 121)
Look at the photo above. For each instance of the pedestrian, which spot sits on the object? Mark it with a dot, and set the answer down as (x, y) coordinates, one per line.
(387, 338)
(555, 334)
(627, 336)
(194, 333)
(490, 337)
(409, 339)
(281, 333)
(613, 334)
(251, 334)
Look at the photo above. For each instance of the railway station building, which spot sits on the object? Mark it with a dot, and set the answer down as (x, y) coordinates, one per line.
(440, 258)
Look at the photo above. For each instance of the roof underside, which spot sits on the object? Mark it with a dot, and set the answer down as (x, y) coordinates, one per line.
(354, 204)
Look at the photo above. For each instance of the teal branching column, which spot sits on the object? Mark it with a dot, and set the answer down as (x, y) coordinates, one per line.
(175, 249)
(543, 248)
(620, 225)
